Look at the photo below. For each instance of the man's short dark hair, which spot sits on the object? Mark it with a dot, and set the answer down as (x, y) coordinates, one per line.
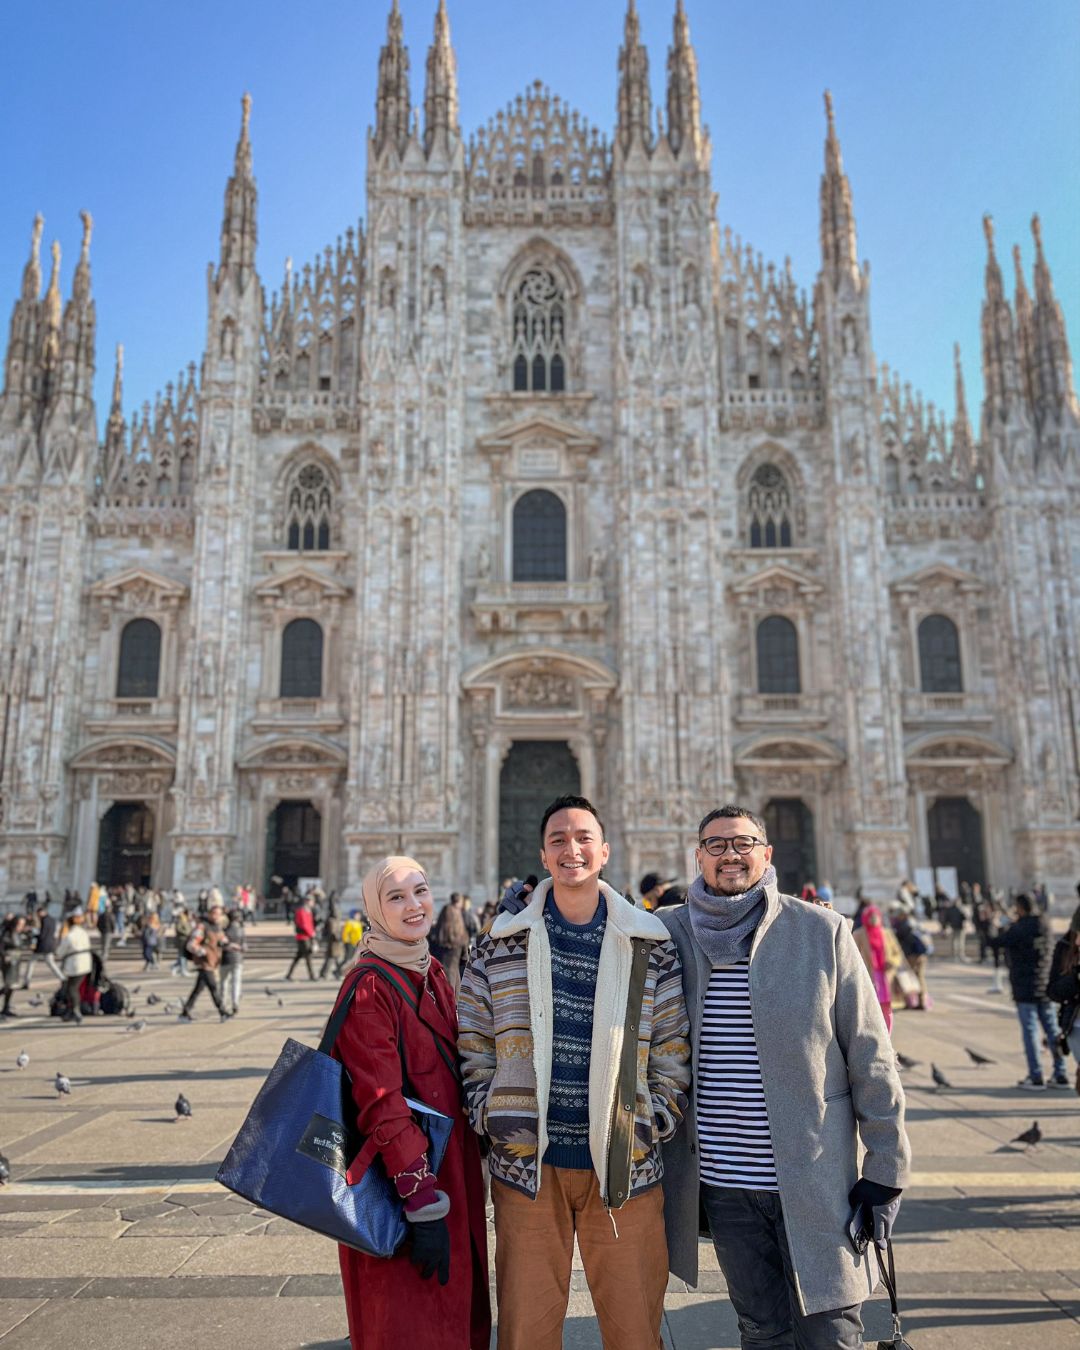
(733, 812)
(569, 804)
(1023, 904)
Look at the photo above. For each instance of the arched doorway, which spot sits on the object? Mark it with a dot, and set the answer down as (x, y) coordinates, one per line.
(533, 774)
(293, 833)
(956, 838)
(126, 845)
(790, 825)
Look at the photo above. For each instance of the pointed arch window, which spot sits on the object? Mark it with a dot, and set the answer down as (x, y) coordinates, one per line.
(538, 336)
(301, 659)
(539, 537)
(777, 656)
(308, 509)
(139, 667)
(769, 508)
(939, 656)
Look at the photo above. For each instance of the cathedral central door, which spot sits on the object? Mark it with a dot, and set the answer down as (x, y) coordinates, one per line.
(790, 824)
(293, 832)
(126, 845)
(956, 838)
(533, 774)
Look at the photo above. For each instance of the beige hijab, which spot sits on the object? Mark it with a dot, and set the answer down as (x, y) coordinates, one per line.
(376, 940)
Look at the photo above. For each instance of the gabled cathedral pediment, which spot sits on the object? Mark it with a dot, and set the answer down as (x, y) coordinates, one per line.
(301, 586)
(937, 576)
(138, 588)
(777, 577)
(537, 430)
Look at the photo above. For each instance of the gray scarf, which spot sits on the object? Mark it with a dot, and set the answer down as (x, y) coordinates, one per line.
(724, 924)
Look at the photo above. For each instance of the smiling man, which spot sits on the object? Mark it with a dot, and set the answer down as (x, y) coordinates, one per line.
(793, 1068)
(573, 1037)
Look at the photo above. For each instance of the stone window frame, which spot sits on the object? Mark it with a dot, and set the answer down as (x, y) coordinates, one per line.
(774, 452)
(137, 593)
(962, 684)
(540, 254)
(799, 662)
(136, 675)
(302, 593)
(309, 452)
(564, 493)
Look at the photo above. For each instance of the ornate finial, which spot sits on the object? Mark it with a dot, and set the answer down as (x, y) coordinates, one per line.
(829, 108)
(88, 229)
(54, 280)
(1036, 231)
(118, 379)
(988, 230)
(245, 123)
(35, 236)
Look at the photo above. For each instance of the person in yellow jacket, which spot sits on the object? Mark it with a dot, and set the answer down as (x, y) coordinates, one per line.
(351, 932)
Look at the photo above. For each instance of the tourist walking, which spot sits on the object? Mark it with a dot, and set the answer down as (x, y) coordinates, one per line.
(150, 937)
(106, 926)
(433, 1293)
(1028, 946)
(183, 925)
(917, 948)
(882, 956)
(232, 961)
(11, 949)
(333, 946)
(450, 939)
(794, 1071)
(576, 1066)
(44, 949)
(204, 949)
(1063, 986)
(76, 962)
(304, 929)
(954, 922)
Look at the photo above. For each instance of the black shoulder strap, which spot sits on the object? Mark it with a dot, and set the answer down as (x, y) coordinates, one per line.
(404, 989)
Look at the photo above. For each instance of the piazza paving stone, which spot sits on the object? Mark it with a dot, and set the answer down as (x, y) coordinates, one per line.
(132, 1237)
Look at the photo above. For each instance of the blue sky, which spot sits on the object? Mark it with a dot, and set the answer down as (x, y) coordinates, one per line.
(945, 110)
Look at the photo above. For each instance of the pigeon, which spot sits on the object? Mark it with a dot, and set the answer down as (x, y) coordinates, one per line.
(905, 1062)
(140, 1025)
(939, 1078)
(268, 992)
(1029, 1137)
(62, 1084)
(152, 999)
(977, 1059)
(280, 1002)
(36, 1001)
(169, 1008)
(5, 1170)
(136, 990)
(183, 1107)
(22, 1059)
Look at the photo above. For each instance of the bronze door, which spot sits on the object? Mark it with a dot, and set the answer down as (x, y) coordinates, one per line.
(533, 774)
(790, 823)
(126, 845)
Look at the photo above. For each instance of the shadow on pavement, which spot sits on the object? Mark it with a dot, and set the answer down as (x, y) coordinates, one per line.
(940, 1217)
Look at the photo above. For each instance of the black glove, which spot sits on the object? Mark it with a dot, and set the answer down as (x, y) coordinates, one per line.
(880, 1206)
(431, 1249)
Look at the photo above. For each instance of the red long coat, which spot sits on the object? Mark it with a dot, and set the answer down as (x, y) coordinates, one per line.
(388, 1303)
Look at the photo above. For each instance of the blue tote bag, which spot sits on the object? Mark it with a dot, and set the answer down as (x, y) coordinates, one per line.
(300, 1156)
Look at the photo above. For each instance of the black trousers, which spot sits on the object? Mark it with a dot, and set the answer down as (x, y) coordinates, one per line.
(303, 953)
(205, 979)
(751, 1245)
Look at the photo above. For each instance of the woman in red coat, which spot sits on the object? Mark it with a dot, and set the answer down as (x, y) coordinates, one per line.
(433, 1293)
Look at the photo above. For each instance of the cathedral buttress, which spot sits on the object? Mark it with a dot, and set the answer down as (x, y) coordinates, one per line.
(404, 765)
(48, 453)
(212, 679)
(867, 670)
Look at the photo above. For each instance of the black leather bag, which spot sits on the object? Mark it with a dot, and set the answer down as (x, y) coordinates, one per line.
(897, 1340)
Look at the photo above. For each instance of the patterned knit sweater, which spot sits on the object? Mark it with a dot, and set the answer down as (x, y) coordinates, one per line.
(575, 961)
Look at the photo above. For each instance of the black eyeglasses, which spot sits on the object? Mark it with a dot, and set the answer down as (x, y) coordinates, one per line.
(716, 845)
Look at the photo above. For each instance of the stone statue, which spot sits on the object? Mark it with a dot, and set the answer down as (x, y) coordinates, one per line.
(483, 562)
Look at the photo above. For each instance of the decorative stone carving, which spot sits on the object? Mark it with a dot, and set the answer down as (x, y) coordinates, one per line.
(539, 689)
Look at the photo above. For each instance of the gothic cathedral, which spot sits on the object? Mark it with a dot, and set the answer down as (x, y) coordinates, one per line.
(538, 480)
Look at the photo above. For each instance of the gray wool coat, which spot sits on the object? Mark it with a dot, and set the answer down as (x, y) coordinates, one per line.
(829, 1073)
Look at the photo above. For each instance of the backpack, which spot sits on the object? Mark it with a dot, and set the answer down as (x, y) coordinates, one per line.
(115, 999)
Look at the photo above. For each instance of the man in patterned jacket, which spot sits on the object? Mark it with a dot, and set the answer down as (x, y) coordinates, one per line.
(573, 1037)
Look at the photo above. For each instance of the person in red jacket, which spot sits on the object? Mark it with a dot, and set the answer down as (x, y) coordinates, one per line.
(304, 925)
(433, 1293)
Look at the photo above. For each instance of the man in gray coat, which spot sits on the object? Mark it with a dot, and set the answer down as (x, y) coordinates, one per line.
(793, 1067)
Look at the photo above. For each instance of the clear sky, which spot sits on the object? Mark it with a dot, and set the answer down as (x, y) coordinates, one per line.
(945, 109)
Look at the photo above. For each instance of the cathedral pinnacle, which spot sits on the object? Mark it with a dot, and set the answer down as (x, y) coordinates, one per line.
(839, 251)
(31, 287)
(81, 286)
(635, 99)
(683, 96)
(963, 441)
(440, 87)
(238, 229)
(1053, 395)
(392, 98)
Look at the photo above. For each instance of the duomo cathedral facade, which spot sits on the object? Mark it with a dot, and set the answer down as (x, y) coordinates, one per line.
(536, 480)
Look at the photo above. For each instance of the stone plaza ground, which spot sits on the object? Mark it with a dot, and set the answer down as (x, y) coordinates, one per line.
(113, 1233)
